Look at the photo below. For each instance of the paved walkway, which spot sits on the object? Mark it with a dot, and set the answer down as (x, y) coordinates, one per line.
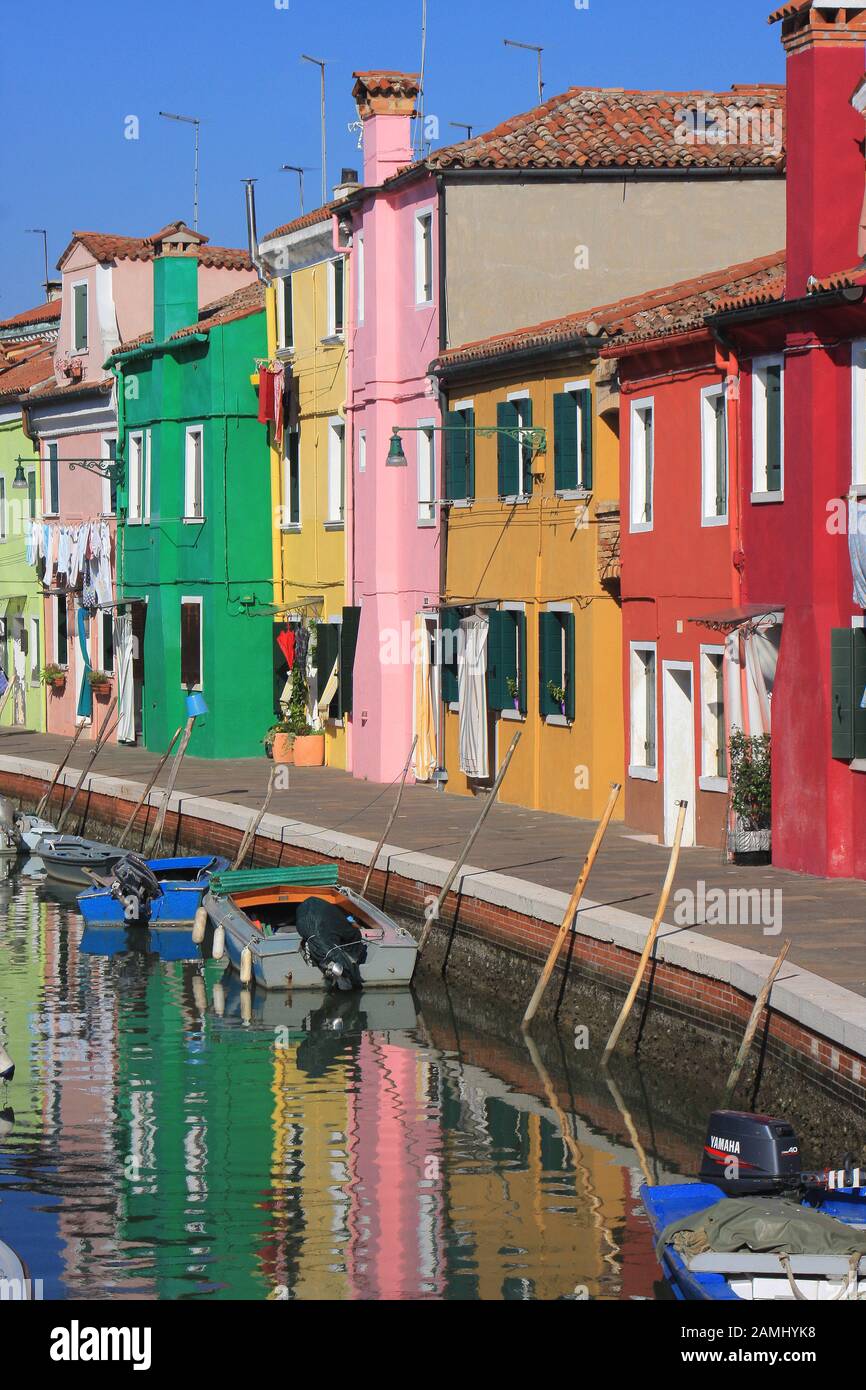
(825, 918)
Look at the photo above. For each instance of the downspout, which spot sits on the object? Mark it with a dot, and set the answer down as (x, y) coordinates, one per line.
(440, 775)
(443, 263)
(728, 359)
(343, 241)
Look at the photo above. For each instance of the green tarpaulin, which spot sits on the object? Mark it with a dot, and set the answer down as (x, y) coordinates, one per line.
(305, 875)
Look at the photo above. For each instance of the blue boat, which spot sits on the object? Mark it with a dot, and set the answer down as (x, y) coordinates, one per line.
(151, 892)
(169, 944)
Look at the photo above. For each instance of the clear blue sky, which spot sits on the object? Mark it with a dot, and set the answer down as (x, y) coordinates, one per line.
(71, 74)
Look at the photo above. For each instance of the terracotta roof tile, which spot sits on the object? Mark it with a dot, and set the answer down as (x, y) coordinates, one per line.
(52, 391)
(35, 370)
(309, 219)
(843, 279)
(43, 313)
(105, 246)
(249, 299)
(596, 128)
(652, 314)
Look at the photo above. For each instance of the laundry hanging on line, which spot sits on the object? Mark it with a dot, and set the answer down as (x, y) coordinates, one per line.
(78, 555)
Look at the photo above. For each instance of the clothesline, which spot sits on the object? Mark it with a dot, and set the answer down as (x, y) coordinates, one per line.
(79, 553)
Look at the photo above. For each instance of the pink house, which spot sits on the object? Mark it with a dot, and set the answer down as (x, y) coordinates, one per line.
(107, 298)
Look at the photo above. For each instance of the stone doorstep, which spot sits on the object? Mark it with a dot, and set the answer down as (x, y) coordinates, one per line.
(818, 1005)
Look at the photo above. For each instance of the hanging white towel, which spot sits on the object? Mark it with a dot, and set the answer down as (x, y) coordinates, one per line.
(472, 687)
(857, 548)
(125, 686)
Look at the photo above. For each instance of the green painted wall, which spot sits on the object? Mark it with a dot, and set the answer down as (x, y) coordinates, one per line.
(222, 560)
(20, 593)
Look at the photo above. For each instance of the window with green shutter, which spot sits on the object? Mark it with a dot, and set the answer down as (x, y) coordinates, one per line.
(848, 686)
(572, 440)
(508, 449)
(327, 654)
(79, 315)
(460, 454)
(556, 663)
(348, 646)
(506, 659)
(773, 382)
(449, 619)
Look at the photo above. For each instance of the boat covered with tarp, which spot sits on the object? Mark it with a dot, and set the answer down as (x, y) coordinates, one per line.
(299, 928)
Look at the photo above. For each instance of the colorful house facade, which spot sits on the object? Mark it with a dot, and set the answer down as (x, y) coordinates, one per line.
(195, 579)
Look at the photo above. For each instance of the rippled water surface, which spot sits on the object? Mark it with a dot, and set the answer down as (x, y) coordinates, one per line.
(165, 1136)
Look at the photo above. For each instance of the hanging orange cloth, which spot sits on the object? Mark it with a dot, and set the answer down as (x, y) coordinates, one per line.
(267, 396)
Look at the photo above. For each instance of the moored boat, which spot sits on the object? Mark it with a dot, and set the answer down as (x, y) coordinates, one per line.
(20, 832)
(150, 892)
(71, 859)
(299, 928)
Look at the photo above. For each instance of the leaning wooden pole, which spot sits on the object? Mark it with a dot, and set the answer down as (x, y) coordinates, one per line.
(651, 938)
(252, 829)
(757, 1012)
(149, 788)
(156, 833)
(43, 804)
(104, 733)
(391, 819)
(574, 903)
(433, 915)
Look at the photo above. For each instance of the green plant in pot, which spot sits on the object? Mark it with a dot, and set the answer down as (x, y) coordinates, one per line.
(751, 795)
(557, 693)
(53, 675)
(513, 690)
(100, 682)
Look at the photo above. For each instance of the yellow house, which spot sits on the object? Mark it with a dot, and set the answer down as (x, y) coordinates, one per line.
(306, 315)
(530, 602)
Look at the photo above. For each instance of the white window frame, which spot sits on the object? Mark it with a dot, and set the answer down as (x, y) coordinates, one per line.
(104, 615)
(637, 706)
(333, 330)
(55, 621)
(524, 452)
(561, 721)
(423, 246)
(360, 272)
(460, 408)
(105, 453)
(639, 502)
(53, 503)
(709, 780)
(288, 524)
(576, 389)
(34, 655)
(191, 517)
(32, 473)
(140, 514)
(760, 492)
(709, 517)
(362, 451)
(518, 716)
(199, 601)
(336, 473)
(285, 343)
(426, 464)
(858, 418)
(76, 350)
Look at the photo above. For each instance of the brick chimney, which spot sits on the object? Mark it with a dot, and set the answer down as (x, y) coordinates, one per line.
(826, 173)
(386, 105)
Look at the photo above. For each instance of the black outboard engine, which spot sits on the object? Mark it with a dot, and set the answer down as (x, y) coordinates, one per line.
(136, 886)
(332, 942)
(750, 1155)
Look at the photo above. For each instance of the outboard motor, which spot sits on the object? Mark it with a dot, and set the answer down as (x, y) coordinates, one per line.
(331, 941)
(750, 1155)
(136, 886)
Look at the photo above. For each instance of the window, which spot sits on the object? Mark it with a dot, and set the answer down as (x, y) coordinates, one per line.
(52, 482)
(106, 640)
(191, 643)
(336, 472)
(714, 452)
(4, 520)
(572, 438)
(362, 451)
(556, 665)
(139, 478)
(293, 479)
(79, 317)
(642, 464)
(109, 484)
(31, 493)
(424, 258)
(460, 452)
(848, 682)
(506, 660)
(336, 296)
(768, 429)
(858, 415)
(360, 271)
(514, 449)
(714, 757)
(193, 487)
(285, 313)
(61, 631)
(35, 653)
(643, 760)
(426, 474)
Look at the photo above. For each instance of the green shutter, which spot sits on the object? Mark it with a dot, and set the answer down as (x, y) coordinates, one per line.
(520, 620)
(80, 305)
(858, 636)
(584, 399)
(450, 622)
(469, 416)
(567, 621)
(549, 661)
(348, 647)
(327, 647)
(508, 449)
(565, 442)
(774, 429)
(842, 692)
(456, 463)
(498, 626)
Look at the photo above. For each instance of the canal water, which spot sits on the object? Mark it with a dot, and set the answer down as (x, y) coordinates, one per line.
(167, 1136)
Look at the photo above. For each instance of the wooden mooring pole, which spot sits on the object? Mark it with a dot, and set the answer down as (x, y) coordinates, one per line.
(156, 834)
(104, 734)
(391, 819)
(760, 1005)
(43, 804)
(256, 821)
(149, 788)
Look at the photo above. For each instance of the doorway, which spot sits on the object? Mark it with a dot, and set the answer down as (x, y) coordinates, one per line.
(679, 748)
(19, 670)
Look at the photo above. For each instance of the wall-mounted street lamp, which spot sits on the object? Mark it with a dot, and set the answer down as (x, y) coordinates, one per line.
(533, 435)
(105, 468)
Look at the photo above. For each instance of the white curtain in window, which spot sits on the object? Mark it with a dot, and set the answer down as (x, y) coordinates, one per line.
(125, 689)
(472, 687)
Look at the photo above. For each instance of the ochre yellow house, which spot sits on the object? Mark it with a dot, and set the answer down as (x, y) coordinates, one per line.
(306, 315)
(530, 601)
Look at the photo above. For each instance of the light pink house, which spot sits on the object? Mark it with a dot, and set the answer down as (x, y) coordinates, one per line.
(107, 298)
(393, 559)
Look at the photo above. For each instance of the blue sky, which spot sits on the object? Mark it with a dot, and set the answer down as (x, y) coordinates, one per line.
(72, 74)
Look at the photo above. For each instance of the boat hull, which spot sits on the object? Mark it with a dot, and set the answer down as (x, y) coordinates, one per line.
(184, 883)
(67, 859)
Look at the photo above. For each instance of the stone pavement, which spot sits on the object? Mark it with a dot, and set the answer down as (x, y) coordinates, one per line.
(826, 919)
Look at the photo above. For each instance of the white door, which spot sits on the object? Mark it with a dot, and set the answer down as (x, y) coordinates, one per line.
(19, 669)
(679, 751)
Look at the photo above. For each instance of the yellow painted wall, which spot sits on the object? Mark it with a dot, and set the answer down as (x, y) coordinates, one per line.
(311, 562)
(540, 552)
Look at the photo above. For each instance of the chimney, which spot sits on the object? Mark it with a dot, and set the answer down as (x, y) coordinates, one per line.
(175, 292)
(349, 183)
(826, 173)
(386, 105)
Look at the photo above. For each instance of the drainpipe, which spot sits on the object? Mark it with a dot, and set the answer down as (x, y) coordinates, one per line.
(343, 241)
(728, 359)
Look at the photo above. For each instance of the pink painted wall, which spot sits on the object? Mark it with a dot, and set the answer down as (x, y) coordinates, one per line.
(393, 562)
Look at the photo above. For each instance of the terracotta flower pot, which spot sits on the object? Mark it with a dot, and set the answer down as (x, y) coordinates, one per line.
(283, 749)
(58, 684)
(101, 687)
(310, 750)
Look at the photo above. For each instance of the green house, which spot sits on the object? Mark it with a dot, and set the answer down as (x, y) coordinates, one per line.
(195, 552)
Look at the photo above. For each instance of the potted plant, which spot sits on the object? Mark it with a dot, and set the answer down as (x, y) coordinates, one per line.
(513, 690)
(54, 676)
(557, 693)
(279, 742)
(308, 746)
(100, 682)
(751, 797)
